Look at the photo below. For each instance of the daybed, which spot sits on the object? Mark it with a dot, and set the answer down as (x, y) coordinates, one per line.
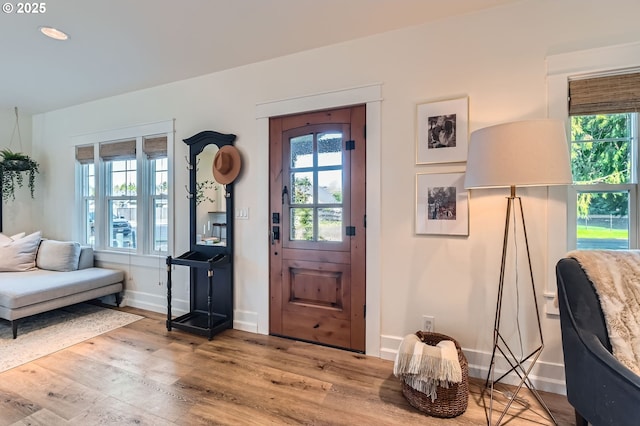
(602, 390)
(56, 274)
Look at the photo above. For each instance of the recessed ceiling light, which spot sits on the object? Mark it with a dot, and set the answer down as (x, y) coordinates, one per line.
(54, 33)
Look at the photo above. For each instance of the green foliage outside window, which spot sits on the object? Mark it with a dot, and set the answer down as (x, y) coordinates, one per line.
(303, 222)
(601, 154)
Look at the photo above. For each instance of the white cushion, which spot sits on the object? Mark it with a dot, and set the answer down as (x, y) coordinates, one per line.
(5, 239)
(19, 255)
(59, 256)
(86, 257)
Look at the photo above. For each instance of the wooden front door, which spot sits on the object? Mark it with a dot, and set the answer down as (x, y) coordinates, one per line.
(317, 219)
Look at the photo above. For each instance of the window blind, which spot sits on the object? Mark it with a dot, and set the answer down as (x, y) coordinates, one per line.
(124, 150)
(155, 147)
(605, 95)
(84, 154)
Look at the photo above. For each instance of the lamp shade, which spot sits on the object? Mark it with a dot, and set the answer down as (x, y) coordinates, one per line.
(520, 153)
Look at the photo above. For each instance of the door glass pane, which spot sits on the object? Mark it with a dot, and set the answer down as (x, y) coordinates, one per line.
(302, 151)
(302, 188)
(316, 193)
(330, 187)
(329, 149)
(330, 224)
(301, 224)
(603, 220)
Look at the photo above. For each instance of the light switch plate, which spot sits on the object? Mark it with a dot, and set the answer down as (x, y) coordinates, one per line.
(242, 214)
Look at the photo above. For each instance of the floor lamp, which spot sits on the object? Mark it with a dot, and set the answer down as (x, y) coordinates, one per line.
(522, 153)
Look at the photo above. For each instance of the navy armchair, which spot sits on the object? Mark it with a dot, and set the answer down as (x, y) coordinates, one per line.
(601, 390)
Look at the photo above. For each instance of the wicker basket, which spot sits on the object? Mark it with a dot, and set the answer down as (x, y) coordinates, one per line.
(451, 401)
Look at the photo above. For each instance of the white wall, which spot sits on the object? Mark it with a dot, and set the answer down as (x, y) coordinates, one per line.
(496, 58)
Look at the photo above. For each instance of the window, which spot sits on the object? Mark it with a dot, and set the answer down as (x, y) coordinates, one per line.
(158, 194)
(124, 193)
(604, 160)
(84, 156)
(119, 164)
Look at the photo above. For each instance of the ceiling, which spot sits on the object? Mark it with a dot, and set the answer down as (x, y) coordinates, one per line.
(118, 46)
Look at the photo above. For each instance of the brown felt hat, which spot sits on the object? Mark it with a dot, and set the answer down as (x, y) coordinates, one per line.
(226, 164)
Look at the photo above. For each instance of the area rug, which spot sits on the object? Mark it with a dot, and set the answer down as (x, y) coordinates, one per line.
(49, 332)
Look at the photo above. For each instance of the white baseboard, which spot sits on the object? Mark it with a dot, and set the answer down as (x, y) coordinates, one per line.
(245, 321)
(389, 347)
(242, 320)
(545, 376)
(154, 303)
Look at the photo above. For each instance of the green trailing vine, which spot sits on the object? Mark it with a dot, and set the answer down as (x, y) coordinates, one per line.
(12, 167)
(201, 195)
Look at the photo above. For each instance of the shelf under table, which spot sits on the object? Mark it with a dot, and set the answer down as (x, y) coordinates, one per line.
(198, 322)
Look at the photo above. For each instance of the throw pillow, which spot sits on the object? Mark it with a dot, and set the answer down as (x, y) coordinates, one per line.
(5, 239)
(86, 258)
(20, 255)
(60, 256)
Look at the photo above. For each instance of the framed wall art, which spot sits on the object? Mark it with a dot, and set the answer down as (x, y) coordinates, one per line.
(442, 131)
(442, 204)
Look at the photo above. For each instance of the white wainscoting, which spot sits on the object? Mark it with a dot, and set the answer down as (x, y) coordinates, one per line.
(545, 376)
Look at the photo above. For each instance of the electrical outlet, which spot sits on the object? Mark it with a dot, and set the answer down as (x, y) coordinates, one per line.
(428, 323)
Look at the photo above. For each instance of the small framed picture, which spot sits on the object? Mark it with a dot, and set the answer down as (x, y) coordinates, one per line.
(442, 204)
(442, 131)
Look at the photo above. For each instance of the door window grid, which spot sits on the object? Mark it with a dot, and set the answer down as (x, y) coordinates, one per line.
(316, 208)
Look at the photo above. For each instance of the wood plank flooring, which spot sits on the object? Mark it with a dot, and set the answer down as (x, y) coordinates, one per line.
(141, 374)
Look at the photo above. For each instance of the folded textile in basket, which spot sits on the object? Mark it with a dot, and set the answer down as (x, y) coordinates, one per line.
(425, 367)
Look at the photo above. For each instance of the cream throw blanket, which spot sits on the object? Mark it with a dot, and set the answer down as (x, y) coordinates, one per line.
(425, 367)
(616, 278)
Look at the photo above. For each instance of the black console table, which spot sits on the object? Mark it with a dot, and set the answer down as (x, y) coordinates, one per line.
(209, 318)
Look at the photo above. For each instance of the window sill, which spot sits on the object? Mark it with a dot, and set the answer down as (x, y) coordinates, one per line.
(144, 260)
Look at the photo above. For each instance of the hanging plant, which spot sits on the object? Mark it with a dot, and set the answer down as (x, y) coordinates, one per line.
(12, 167)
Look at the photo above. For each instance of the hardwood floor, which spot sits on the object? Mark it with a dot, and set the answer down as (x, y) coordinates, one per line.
(142, 374)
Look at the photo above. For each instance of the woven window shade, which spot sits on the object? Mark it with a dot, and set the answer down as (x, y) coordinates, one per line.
(124, 150)
(155, 147)
(605, 95)
(84, 154)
